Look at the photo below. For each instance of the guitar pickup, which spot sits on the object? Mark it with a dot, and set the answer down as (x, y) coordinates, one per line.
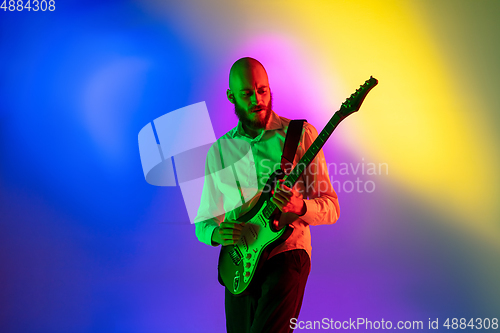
(244, 242)
(252, 230)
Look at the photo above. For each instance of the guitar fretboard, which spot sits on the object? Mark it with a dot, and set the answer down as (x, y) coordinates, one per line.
(308, 157)
(350, 105)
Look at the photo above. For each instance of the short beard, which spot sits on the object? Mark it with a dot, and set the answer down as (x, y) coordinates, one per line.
(242, 115)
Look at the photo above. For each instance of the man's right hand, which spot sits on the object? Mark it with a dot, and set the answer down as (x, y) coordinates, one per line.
(228, 233)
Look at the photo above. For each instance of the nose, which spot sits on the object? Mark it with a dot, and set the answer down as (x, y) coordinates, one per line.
(256, 99)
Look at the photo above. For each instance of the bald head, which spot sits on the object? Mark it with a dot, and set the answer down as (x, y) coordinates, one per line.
(250, 93)
(245, 69)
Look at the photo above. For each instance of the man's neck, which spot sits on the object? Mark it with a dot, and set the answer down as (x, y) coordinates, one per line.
(251, 131)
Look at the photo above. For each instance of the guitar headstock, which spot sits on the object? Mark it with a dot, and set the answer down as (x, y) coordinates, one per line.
(353, 103)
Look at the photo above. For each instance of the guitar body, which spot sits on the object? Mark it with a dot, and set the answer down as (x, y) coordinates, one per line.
(239, 262)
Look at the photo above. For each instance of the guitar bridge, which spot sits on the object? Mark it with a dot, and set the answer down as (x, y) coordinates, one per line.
(235, 256)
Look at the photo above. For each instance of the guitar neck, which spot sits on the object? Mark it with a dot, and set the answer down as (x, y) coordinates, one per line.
(351, 105)
(313, 150)
(308, 157)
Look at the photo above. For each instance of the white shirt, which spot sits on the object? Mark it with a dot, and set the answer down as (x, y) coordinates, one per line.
(230, 154)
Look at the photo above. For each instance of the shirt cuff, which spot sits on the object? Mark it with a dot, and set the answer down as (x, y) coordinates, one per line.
(210, 231)
(311, 209)
(204, 231)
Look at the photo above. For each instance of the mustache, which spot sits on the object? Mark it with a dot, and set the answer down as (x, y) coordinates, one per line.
(258, 108)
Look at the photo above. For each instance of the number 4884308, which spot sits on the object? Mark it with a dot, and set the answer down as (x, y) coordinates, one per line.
(29, 5)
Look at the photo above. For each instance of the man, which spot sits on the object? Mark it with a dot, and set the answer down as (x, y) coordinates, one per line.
(276, 292)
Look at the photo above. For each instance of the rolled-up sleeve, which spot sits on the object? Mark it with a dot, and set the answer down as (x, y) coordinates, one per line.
(322, 203)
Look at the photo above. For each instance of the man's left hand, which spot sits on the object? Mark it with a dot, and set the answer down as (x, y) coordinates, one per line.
(288, 199)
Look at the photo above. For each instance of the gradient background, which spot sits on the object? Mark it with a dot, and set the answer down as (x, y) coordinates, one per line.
(86, 245)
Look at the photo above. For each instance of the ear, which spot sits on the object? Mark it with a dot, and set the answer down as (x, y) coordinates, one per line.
(230, 96)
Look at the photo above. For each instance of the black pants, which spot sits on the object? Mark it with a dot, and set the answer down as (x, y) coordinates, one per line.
(275, 296)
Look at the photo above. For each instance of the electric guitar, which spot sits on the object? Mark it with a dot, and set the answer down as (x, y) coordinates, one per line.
(239, 262)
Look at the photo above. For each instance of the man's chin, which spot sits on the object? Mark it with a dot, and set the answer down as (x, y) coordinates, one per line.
(261, 118)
